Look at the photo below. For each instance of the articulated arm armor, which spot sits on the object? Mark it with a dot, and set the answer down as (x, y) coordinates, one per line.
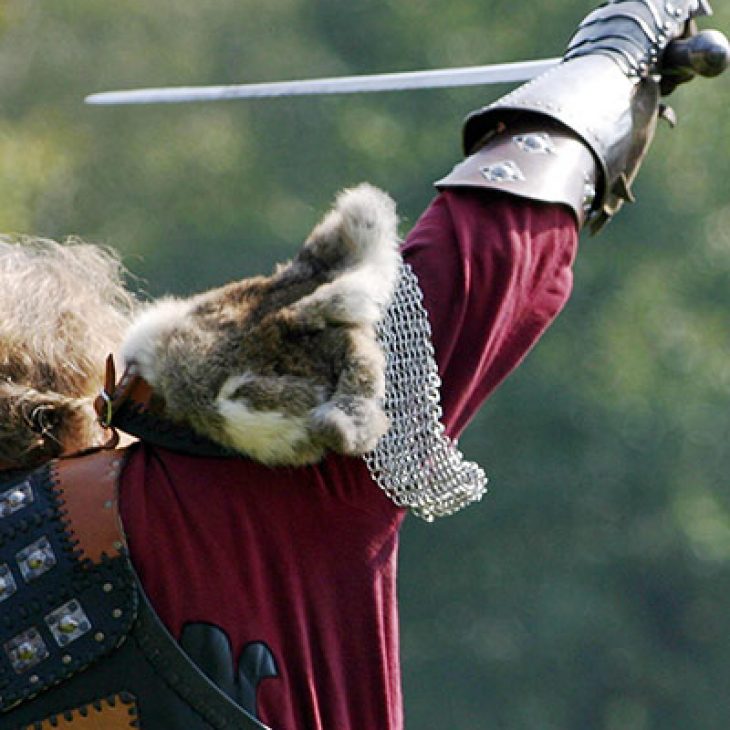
(577, 134)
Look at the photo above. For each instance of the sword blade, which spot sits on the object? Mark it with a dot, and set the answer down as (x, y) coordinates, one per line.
(437, 79)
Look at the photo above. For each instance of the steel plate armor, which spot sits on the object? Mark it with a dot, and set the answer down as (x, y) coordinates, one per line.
(604, 96)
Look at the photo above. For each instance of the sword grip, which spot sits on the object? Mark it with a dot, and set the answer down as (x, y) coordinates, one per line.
(705, 54)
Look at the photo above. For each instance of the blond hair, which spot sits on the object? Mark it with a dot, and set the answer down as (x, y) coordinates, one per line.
(63, 308)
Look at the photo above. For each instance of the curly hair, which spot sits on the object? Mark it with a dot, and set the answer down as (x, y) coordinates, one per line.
(63, 308)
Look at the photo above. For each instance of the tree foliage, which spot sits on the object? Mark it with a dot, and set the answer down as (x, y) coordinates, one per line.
(590, 588)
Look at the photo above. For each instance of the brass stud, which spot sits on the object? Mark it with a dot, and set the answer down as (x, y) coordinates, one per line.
(36, 560)
(26, 651)
(16, 499)
(68, 624)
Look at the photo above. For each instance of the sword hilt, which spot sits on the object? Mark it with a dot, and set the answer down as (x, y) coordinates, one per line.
(705, 54)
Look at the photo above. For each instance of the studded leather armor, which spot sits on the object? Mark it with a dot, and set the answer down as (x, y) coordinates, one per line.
(80, 646)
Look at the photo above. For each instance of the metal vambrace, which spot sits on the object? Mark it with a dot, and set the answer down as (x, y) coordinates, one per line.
(577, 134)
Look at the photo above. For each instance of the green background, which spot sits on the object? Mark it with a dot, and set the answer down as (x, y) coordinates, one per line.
(591, 588)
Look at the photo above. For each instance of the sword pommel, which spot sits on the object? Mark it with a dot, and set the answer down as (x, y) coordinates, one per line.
(705, 54)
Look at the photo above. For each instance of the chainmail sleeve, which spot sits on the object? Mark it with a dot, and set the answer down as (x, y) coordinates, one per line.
(415, 463)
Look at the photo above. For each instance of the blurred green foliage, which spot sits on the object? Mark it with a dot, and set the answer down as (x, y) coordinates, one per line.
(591, 588)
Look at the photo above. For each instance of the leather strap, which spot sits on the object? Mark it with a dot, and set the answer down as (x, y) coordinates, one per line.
(131, 405)
(131, 388)
(174, 666)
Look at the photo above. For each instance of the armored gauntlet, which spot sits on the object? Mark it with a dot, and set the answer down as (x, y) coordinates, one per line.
(577, 134)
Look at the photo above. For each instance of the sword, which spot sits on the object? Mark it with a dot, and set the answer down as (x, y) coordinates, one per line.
(437, 79)
(705, 54)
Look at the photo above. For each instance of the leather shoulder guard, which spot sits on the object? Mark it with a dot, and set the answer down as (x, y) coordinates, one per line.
(67, 594)
(80, 645)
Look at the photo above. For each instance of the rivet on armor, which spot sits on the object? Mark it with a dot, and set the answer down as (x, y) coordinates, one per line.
(107, 587)
(68, 622)
(21, 495)
(589, 195)
(36, 559)
(504, 171)
(99, 636)
(7, 583)
(117, 613)
(537, 143)
(25, 650)
(673, 9)
(34, 679)
(16, 499)
(66, 659)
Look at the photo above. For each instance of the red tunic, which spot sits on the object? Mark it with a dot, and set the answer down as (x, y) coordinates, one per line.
(304, 559)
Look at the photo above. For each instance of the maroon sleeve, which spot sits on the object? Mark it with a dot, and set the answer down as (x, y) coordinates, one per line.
(495, 271)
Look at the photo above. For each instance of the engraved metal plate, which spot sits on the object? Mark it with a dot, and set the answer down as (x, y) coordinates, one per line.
(36, 559)
(12, 500)
(7, 583)
(26, 650)
(536, 143)
(504, 171)
(68, 622)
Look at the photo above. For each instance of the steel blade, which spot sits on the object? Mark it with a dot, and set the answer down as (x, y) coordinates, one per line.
(437, 79)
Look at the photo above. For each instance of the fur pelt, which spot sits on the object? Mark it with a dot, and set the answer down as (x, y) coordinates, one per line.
(285, 367)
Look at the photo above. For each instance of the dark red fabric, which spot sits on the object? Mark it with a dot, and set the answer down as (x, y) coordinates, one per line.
(305, 559)
(495, 271)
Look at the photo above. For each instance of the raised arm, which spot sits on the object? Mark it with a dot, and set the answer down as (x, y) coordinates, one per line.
(494, 251)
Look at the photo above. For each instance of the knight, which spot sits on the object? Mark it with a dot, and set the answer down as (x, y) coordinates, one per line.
(178, 584)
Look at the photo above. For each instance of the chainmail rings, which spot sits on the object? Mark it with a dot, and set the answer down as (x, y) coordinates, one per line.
(415, 464)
